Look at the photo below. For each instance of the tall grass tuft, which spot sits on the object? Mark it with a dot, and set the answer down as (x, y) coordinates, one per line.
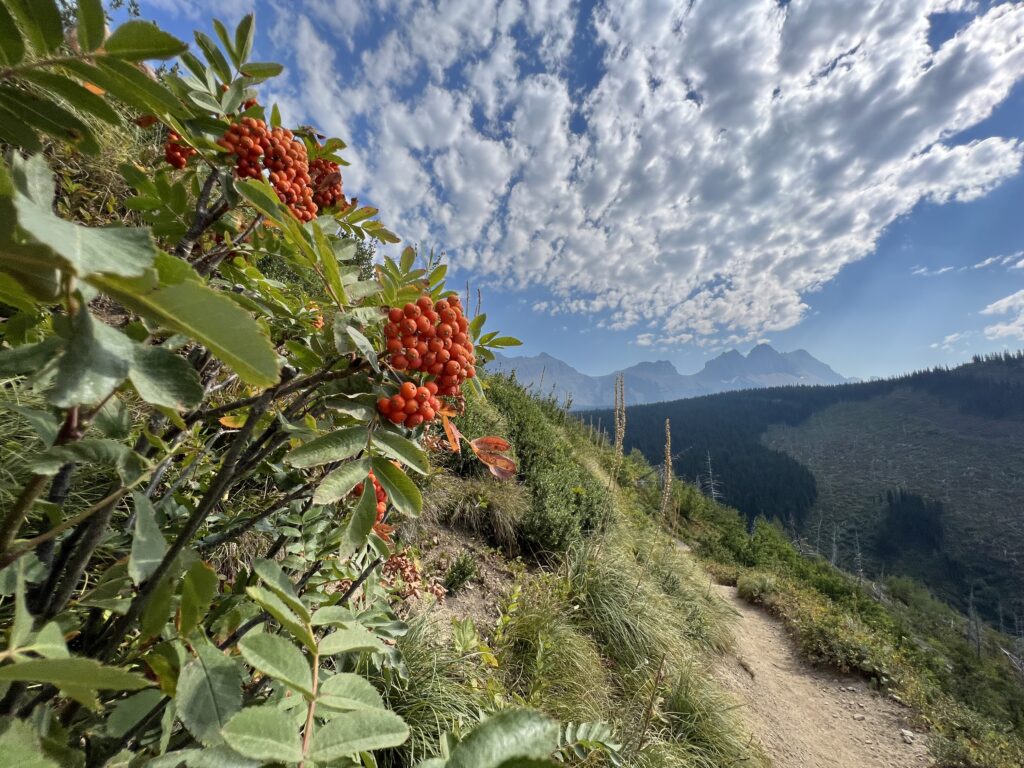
(548, 661)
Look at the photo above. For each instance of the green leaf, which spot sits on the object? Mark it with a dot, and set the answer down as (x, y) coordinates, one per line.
(339, 483)
(125, 82)
(76, 672)
(403, 449)
(363, 517)
(284, 615)
(92, 24)
(359, 731)
(244, 33)
(274, 656)
(29, 358)
(163, 378)
(332, 615)
(214, 56)
(148, 544)
(346, 691)
(347, 639)
(512, 734)
(265, 733)
(40, 21)
(262, 69)
(363, 345)
(125, 251)
(19, 744)
(229, 46)
(49, 642)
(198, 589)
(215, 321)
(279, 583)
(136, 40)
(158, 607)
(95, 362)
(129, 464)
(403, 493)
(209, 693)
(74, 94)
(50, 118)
(12, 46)
(335, 446)
(128, 712)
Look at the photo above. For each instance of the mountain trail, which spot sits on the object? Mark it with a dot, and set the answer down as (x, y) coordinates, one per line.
(804, 717)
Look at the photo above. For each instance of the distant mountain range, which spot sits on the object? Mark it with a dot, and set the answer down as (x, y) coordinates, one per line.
(655, 382)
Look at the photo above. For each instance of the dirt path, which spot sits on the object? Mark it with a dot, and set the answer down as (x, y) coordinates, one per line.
(808, 718)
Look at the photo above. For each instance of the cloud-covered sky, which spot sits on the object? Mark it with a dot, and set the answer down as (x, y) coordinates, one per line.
(678, 177)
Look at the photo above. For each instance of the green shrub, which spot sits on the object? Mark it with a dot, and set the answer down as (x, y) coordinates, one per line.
(459, 572)
(756, 587)
(567, 500)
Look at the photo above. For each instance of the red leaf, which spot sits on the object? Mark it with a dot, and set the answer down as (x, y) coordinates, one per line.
(497, 460)
(384, 531)
(490, 443)
(454, 436)
(501, 474)
(145, 121)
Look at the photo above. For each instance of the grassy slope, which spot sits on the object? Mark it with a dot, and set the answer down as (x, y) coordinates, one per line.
(974, 466)
(607, 623)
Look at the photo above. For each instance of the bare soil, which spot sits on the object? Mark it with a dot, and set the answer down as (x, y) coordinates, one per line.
(805, 717)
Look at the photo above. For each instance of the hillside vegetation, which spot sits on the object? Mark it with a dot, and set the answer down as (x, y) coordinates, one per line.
(824, 461)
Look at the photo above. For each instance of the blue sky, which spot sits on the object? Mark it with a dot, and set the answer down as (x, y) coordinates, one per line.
(631, 181)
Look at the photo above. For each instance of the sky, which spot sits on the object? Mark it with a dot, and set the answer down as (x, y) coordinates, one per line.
(664, 180)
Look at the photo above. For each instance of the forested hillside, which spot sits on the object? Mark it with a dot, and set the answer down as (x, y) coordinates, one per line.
(825, 461)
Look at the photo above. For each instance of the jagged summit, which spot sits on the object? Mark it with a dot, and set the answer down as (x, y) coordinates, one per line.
(646, 382)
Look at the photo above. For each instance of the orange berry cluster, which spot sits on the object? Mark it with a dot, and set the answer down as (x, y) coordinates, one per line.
(433, 339)
(325, 177)
(278, 151)
(412, 405)
(175, 153)
(382, 497)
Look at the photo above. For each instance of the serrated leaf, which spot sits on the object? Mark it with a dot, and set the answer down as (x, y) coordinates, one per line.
(284, 615)
(12, 46)
(332, 615)
(346, 639)
(347, 691)
(339, 483)
(198, 589)
(277, 658)
(403, 449)
(76, 672)
(214, 57)
(92, 24)
(336, 446)
(40, 21)
(49, 642)
(244, 33)
(364, 346)
(361, 524)
(279, 583)
(148, 543)
(401, 490)
(136, 40)
(125, 251)
(74, 94)
(163, 378)
(19, 745)
(215, 321)
(49, 117)
(264, 733)
(509, 735)
(262, 69)
(128, 463)
(359, 731)
(209, 693)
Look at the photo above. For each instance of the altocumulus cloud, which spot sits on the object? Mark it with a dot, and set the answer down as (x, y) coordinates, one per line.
(691, 169)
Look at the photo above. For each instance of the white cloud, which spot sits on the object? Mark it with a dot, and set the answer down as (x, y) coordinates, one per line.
(926, 272)
(1010, 329)
(729, 160)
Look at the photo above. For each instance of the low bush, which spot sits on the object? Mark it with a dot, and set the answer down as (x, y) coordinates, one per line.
(567, 500)
(459, 573)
